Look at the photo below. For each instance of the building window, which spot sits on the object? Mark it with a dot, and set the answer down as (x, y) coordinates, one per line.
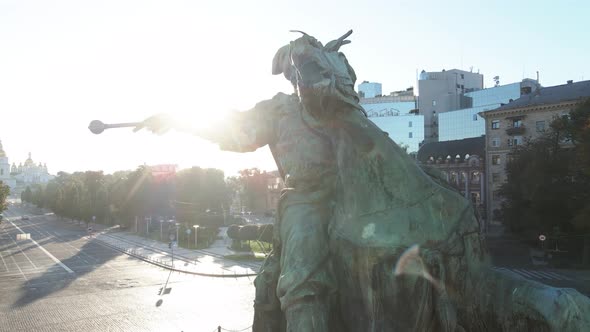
(475, 198)
(495, 142)
(474, 117)
(464, 178)
(540, 126)
(475, 177)
(516, 140)
(454, 178)
(495, 177)
(410, 124)
(495, 159)
(410, 134)
(434, 103)
(495, 124)
(462, 76)
(1, 171)
(516, 123)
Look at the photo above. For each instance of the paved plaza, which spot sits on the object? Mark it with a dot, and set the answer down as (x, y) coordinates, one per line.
(61, 279)
(55, 276)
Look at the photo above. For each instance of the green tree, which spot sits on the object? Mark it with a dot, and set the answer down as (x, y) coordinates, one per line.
(254, 186)
(134, 194)
(95, 195)
(548, 178)
(38, 197)
(199, 192)
(125, 195)
(577, 127)
(26, 195)
(4, 192)
(538, 190)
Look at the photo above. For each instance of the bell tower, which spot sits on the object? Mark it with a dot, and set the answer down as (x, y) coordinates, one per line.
(4, 165)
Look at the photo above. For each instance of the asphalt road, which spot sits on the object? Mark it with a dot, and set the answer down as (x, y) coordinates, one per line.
(511, 255)
(62, 280)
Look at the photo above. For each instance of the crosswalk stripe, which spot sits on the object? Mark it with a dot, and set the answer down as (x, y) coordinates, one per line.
(535, 274)
(523, 272)
(542, 275)
(561, 277)
(548, 276)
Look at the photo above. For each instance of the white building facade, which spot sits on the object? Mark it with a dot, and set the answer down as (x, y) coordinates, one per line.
(466, 122)
(405, 130)
(369, 89)
(397, 116)
(30, 173)
(5, 169)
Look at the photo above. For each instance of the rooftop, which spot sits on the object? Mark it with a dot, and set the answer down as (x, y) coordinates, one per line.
(470, 146)
(550, 95)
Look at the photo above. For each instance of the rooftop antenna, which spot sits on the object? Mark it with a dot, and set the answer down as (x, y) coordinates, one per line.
(496, 81)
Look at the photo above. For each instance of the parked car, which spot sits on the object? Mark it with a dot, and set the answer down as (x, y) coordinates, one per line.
(25, 218)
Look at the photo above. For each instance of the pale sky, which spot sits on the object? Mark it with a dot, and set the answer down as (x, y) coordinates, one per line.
(65, 63)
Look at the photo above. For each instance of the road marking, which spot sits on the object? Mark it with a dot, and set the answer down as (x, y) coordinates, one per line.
(3, 261)
(545, 275)
(559, 276)
(19, 248)
(540, 275)
(523, 273)
(46, 252)
(21, 271)
(535, 274)
(55, 235)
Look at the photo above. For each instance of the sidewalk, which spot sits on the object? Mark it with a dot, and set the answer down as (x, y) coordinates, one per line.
(207, 262)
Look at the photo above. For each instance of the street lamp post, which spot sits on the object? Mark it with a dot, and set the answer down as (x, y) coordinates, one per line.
(188, 237)
(196, 232)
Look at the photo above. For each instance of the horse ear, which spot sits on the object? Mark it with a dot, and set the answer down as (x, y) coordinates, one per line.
(301, 32)
(335, 45)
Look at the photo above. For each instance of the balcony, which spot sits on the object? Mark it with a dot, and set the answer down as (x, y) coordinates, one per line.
(515, 130)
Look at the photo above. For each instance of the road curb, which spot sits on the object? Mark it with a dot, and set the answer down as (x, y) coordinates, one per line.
(134, 254)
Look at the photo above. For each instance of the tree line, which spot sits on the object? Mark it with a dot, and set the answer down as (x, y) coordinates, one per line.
(548, 178)
(4, 192)
(190, 196)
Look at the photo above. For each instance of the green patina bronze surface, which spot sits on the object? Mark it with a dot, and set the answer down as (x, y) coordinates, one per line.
(366, 240)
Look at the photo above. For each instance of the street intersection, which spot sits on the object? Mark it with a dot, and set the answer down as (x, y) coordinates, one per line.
(62, 279)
